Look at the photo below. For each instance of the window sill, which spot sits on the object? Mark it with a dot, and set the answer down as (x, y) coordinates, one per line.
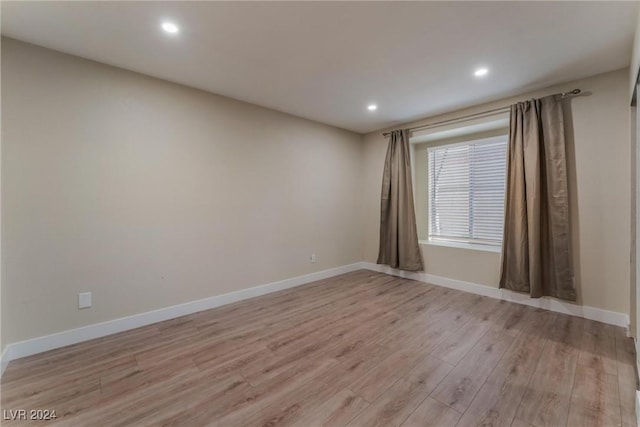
(462, 245)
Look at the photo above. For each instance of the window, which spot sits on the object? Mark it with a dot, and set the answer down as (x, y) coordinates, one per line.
(466, 191)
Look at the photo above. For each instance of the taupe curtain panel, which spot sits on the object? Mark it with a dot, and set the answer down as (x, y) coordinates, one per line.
(536, 255)
(398, 233)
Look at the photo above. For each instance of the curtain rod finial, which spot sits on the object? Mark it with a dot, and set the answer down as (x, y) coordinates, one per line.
(571, 92)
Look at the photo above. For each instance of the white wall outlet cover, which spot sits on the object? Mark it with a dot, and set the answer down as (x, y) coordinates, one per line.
(312, 258)
(84, 300)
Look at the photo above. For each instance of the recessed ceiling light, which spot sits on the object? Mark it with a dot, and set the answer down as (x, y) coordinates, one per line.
(372, 107)
(170, 27)
(481, 72)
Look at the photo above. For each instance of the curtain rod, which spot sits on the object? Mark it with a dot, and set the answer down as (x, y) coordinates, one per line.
(478, 115)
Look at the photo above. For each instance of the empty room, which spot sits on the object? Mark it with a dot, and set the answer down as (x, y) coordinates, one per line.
(317, 213)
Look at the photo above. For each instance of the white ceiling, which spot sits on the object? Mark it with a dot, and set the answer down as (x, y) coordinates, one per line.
(327, 60)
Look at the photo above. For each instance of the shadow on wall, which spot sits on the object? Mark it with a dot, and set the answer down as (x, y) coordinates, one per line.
(573, 194)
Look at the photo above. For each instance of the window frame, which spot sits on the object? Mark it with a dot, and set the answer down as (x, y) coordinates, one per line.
(422, 183)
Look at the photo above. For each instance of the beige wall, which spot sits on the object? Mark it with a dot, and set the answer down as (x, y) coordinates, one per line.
(633, 74)
(2, 327)
(600, 187)
(635, 58)
(151, 194)
(633, 179)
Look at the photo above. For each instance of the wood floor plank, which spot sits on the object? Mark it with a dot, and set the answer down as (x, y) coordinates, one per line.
(518, 423)
(405, 395)
(459, 388)
(132, 407)
(357, 364)
(457, 344)
(336, 411)
(291, 407)
(362, 349)
(627, 384)
(598, 348)
(432, 413)
(154, 411)
(375, 382)
(498, 399)
(272, 399)
(546, 401)
(595, 401)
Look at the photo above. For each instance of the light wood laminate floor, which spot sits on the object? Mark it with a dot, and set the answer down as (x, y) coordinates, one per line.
(360, 349)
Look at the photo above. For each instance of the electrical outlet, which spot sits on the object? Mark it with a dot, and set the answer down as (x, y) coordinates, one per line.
(84, 300)
(312, 258)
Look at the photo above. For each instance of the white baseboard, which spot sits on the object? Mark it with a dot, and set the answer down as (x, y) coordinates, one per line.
(637, 355)
(85, 333)
(637, 407)
(552, 304)
(4, 359)
(636, 344)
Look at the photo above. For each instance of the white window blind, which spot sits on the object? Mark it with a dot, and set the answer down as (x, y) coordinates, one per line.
(466, 191)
